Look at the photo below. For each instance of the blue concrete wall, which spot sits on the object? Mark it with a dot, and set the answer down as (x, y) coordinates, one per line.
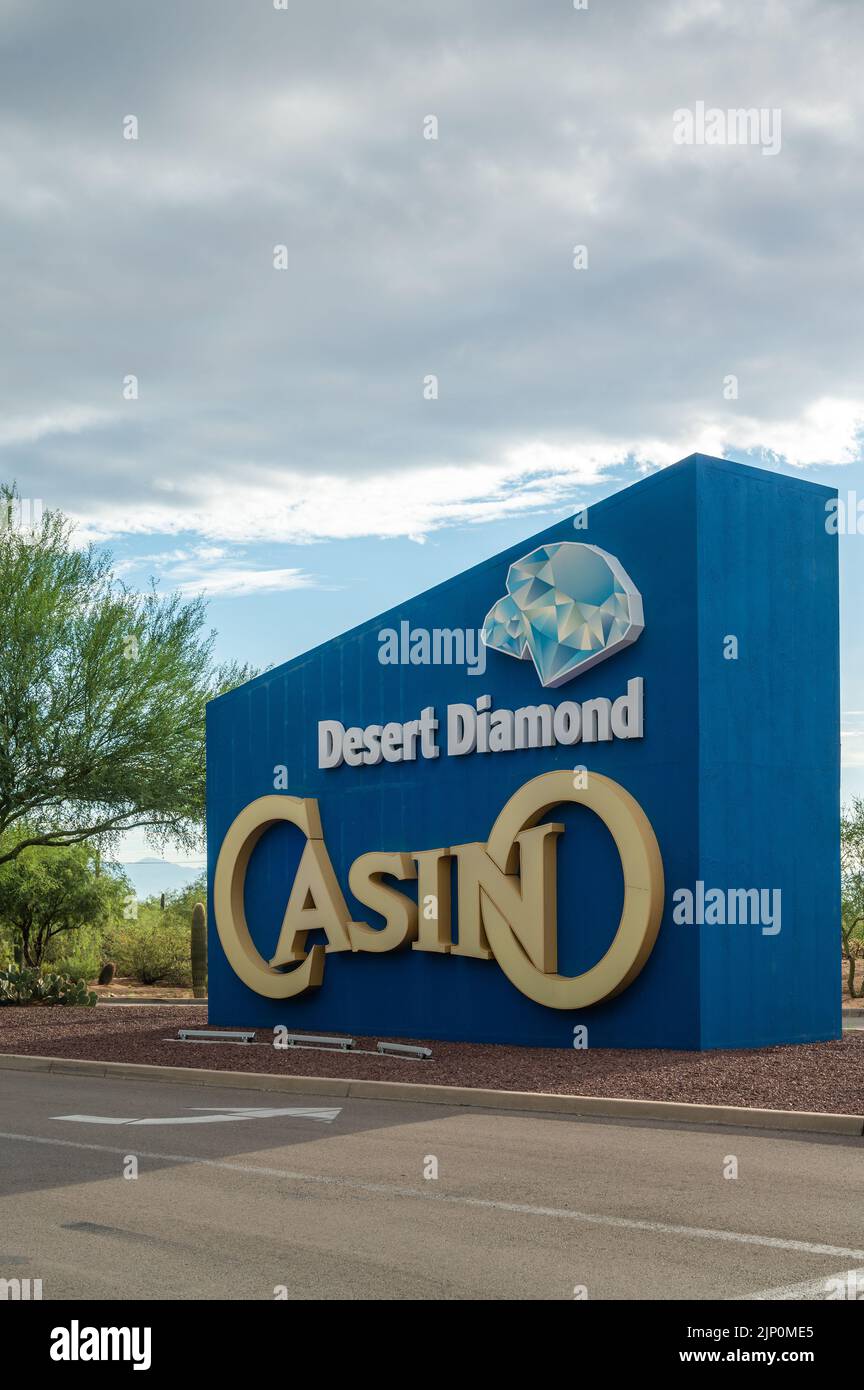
(669, 532)
(769, 753)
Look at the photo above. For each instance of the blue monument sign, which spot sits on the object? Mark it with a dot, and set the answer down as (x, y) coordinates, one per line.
(592, 782)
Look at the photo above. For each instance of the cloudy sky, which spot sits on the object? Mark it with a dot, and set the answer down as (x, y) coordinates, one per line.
(282, 454)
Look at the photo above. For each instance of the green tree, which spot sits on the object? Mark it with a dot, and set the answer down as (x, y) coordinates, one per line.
(102, 696)
(181, 902)
(852, 888)
(48, 891)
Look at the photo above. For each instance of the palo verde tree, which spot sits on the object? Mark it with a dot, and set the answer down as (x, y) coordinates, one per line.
(48, 891)
(102, 695)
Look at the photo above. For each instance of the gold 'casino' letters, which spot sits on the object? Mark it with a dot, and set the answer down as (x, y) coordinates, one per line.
(506, 896)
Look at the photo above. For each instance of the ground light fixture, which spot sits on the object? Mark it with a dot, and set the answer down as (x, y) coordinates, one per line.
(214, 1035)
(314, 1040)
(404, 1050)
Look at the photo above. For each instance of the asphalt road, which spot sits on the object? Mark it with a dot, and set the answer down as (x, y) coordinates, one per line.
(337, 1204)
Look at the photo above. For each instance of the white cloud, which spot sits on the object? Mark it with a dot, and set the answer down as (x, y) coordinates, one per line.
(852, 754)
(827, 432)
(215, 571)
(239, 582)
(852, 739)
(287, 406)
(31, 429)
(535, 476)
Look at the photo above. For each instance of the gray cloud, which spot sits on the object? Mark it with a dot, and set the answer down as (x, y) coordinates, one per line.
(289, 403)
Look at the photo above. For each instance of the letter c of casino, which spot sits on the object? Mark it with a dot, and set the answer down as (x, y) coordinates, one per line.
(517, 909)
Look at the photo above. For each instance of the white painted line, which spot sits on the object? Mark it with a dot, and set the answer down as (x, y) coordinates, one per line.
(312, 1112)
(224, 1112)
(802, 1247)
(847, 1284)
(92, 1119)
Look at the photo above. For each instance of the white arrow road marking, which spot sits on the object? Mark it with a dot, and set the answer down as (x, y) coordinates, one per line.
(221, 1113)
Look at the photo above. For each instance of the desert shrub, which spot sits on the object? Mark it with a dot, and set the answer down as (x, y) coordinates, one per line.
(80, 954)
(153, 948)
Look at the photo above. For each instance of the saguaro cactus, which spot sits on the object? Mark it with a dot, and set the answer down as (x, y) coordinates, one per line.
(199, 952)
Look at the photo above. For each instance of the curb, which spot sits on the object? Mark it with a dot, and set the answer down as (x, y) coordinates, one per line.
(149, 1003)
(799, 1121)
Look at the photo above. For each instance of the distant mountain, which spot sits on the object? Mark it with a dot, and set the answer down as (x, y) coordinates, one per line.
(150, 877)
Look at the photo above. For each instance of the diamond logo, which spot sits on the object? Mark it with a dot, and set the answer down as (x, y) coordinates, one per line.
(567, 606)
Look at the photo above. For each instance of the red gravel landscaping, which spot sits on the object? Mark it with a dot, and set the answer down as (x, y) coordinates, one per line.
(825, 1076)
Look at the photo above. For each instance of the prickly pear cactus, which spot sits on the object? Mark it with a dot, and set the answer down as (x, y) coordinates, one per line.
(27, 986)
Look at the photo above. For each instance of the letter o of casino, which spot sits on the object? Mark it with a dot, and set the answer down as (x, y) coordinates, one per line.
(642, 869)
